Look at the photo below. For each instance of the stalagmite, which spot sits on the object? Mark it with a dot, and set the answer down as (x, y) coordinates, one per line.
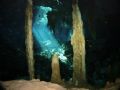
(29, 38)
(55, 78)
(78, 43)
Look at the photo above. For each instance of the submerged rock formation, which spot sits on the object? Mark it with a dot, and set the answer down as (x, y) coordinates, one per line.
(55, 77)
(29, 38)
(78, 43)
(31, 85)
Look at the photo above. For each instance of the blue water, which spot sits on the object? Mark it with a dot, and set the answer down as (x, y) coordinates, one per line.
(44, 37)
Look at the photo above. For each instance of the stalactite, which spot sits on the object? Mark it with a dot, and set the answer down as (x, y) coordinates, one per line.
(29, 38)
(55, 78)
(78, 43)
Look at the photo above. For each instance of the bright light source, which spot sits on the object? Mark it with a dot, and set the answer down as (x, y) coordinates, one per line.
(45, 39)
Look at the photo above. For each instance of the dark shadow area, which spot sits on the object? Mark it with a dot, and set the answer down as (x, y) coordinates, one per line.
(1, 87)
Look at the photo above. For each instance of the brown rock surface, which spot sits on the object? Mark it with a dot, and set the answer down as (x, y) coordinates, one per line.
(31, 85)
(42, 85)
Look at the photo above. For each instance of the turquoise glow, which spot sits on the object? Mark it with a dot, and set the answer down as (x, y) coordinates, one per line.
(44, 37)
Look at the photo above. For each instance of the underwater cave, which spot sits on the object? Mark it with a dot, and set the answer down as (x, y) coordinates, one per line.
(72, 43)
